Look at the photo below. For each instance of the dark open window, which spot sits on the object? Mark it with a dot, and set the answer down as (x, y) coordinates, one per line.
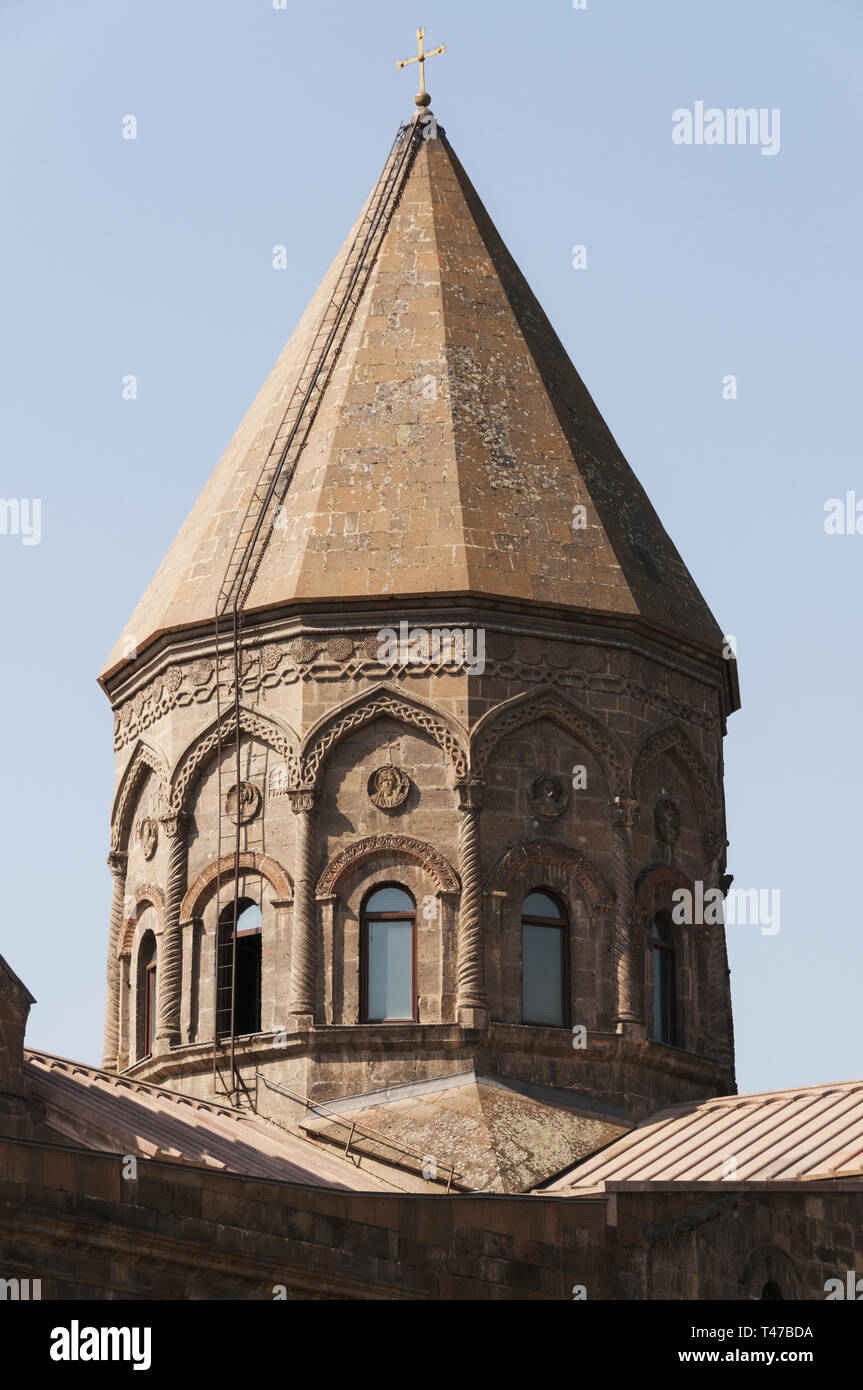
(544, 961)
(247, 994)
(388, 957)
(664, 1024)
(148, 955)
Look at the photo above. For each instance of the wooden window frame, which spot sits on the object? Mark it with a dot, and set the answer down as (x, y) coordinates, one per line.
(365, 919)
(563, 925)
(150, 1003)
(669, 947)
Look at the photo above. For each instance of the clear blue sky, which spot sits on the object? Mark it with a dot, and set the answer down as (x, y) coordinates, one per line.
(259, 127)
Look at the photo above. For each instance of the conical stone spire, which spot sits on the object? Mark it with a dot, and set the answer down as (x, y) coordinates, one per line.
(453, 451)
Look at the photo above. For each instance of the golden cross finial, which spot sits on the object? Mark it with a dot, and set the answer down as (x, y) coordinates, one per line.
(423, 99)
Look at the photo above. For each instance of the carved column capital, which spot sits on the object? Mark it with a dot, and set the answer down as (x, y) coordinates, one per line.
(471, 796)
(174, 824)
(624, 812)
(118, 860)
(305, 800)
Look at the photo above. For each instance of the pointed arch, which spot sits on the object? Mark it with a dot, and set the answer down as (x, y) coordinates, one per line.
(276, 735)
(548, 703)
(385, 702)
(253, 862)
(572, 861)
(146, 758)
(671, 737)
(425, 855)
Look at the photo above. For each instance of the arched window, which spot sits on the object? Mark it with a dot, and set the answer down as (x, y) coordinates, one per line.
(388, 957)
(148, 985)
(664, 1025)
(544, 961)
(247, 994)
(771, 1293)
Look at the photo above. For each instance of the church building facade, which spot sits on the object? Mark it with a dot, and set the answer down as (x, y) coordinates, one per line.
(481, 709)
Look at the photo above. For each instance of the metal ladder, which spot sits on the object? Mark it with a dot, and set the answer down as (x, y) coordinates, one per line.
(252, 538)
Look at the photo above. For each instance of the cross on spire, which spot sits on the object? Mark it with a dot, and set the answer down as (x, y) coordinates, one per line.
(423, 98)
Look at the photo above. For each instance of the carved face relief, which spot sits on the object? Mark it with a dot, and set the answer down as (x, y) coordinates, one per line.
(148, 837)
(245, 806)
(667, 819)
(389, 788)
(549, 797)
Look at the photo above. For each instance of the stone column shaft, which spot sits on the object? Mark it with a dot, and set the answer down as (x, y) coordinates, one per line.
(304, 953)
(170, 979)
(472, 1002)
(117, 863)
(628, 958)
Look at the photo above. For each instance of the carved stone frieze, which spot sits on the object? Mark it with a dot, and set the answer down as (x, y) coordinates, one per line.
(575, 667)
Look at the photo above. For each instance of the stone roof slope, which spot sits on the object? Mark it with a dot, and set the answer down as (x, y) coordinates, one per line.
(499, 1135)
(453, 443)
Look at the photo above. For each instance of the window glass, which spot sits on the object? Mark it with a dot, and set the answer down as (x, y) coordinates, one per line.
(541, 905)
(390, 900)
(390, 967)
(542, 975)
(663, 983)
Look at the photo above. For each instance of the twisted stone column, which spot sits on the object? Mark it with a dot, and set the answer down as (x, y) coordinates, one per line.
(717, 1014)
(117, 862)
(304, 952)
(627, 955)
(471, 1001)
(171, 955)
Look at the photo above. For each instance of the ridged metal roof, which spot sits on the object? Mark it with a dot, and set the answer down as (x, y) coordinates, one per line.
(116, 1114)
(803, 1134)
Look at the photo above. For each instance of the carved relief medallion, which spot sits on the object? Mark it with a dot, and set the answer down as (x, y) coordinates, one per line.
(667, 819)
(244, 806)
(389, 788)
(549, 797)
(148, 837)
(341, 648)
(201, 671)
